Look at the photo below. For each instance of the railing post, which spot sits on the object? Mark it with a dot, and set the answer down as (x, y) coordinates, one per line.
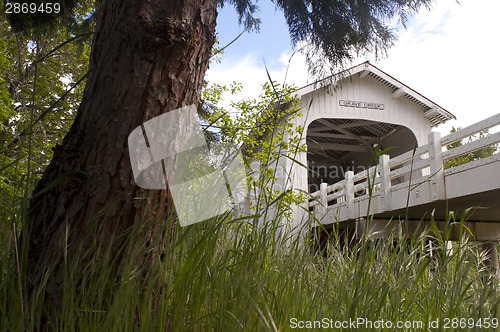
(349, 194)
(436, 166)
(385, 183)
(322, 197)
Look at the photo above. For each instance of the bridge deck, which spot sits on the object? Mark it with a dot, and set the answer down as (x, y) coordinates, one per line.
(489, 200)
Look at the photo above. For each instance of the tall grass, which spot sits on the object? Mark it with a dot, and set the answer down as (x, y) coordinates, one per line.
(228, 275)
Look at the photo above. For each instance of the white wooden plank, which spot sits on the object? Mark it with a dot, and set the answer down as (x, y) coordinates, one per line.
(423, 163)
(362, 175)
(471, 147)
(474, 180)
(335, 196)
(475, 163)
(409, 155)
(471, 130)
(314, 203)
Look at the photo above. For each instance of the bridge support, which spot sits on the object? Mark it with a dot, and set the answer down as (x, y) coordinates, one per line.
(322, 198)
(486, 233)
(385, 173)
(349, 196)
(436, 166)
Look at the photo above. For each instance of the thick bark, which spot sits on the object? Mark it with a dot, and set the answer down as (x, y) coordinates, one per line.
(149, 57)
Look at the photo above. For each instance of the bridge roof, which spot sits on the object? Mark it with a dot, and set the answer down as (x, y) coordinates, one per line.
(435, 113)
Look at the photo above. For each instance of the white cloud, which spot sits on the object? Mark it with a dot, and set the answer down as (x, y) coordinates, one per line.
(251, 72)
(449, 55)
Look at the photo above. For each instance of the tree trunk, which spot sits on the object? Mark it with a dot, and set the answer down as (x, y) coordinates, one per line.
(148, 57)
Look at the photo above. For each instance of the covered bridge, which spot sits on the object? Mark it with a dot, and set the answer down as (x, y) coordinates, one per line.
(347, 120)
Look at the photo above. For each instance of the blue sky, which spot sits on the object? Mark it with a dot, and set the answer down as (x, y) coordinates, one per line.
(448, 54)
(272, 40)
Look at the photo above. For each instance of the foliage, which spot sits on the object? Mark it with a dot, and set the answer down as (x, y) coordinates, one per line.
(37, 69)
(479, 154)
(45, 19)
(265, 131)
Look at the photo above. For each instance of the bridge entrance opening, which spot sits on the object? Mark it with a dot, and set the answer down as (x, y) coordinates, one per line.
(335, 146)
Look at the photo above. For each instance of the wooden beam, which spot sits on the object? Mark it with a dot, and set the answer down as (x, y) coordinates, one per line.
(398, 93)
(430, 113)
(359, 123)
(347, 133)
(364, 73)
(327, 135)
(338, 147)
(375, 131)
(318, 130)
(373, 139)
(363, 123)
(326, 163)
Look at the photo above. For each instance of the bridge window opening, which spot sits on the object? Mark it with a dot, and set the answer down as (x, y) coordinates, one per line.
(335, 146)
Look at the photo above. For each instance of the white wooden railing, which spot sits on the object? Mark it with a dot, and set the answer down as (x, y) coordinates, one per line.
(424, 164)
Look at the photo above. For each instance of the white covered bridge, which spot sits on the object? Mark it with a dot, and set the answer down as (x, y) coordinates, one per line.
(365, 110)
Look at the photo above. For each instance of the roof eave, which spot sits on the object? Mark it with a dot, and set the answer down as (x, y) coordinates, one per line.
(439, 115)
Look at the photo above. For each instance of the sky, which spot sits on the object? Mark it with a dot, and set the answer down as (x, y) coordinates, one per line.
(448, 54)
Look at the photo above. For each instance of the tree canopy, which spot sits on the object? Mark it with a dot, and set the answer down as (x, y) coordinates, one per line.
(337, 30)
(42, 77)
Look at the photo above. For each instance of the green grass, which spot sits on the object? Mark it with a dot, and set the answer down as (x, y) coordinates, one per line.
(226, 275)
